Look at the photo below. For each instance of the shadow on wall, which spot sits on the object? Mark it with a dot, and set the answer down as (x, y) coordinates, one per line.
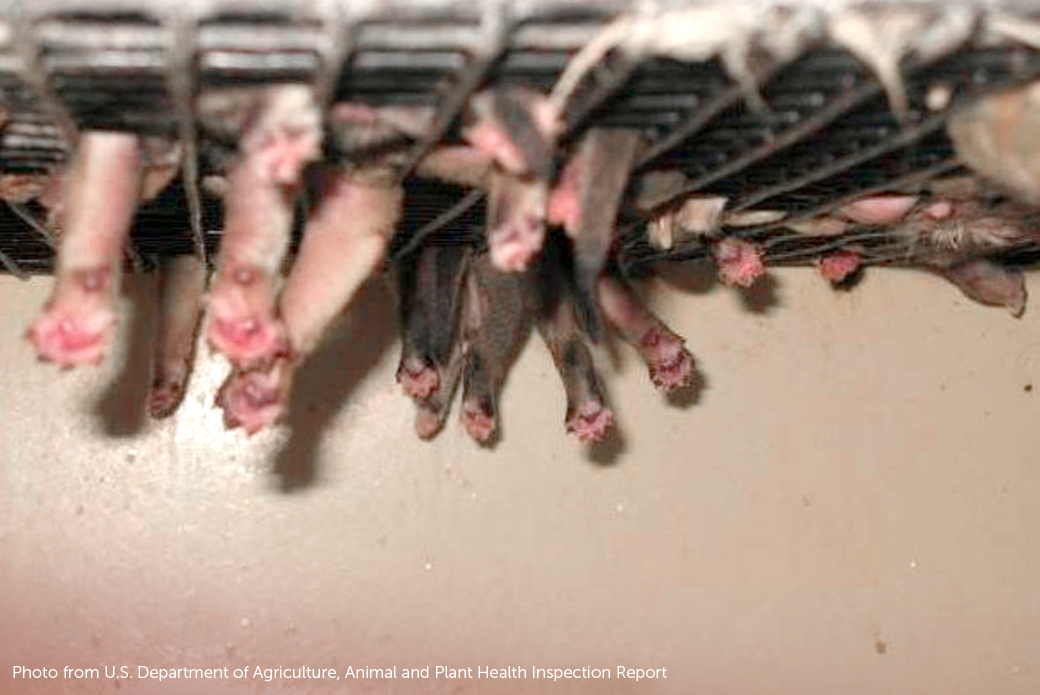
(325, 381)
(322, 385)
(351, 350)
(121, 407)
(700, 277)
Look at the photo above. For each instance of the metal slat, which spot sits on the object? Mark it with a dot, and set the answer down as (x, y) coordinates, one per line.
(826, 139)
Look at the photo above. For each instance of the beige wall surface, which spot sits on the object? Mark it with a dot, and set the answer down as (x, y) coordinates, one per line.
(848, 505)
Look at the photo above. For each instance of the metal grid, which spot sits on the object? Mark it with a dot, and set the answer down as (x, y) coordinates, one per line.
(827, 134)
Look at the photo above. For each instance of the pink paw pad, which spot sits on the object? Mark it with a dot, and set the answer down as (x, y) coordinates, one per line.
(564, 207)
(740, 263)
(837, 267)
(478, 424)
(493, 142)
(417, 379)
(73, 328)
(69, 340)
(879, 209)
(243, 324)
(670, 363)
(513, 249)
(940, 210)
(592, 423)
(164, 398)
(250, 400)
(249, 341)
(286, 151)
